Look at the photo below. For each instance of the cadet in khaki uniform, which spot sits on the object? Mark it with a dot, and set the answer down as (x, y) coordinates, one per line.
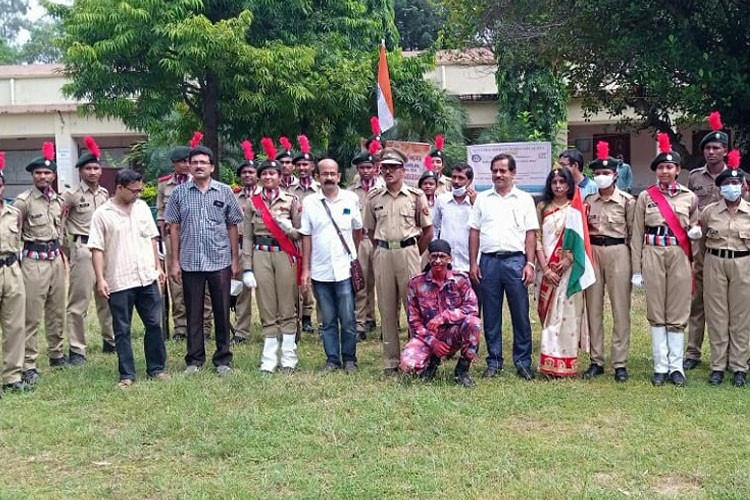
(79, 206)
(264, 260)
(365, 299)
(610, 223)
(43, 265)
(288, 181)
(726, 243)
(12, 293)
(167, 183)
(437, 155)
(661, 262)
(398, 219)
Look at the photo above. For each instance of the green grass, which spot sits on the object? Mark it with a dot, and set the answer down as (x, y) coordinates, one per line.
(309, 435)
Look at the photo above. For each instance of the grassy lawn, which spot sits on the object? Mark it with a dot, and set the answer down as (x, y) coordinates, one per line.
(309, 435)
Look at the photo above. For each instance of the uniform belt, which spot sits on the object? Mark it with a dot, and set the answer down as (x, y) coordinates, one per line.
(606, 241)
(728, 254)
(503, 255)
(659, 231)
(393, 245)
(41, 246)
(9, 260)
(83, 238)
(266, 241)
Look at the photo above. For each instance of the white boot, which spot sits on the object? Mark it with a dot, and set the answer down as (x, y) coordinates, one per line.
(269, 359)
(660, 349)
(676, 342)
(289, 351)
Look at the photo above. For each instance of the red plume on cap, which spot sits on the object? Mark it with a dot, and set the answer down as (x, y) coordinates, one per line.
(304, 144)
(269, 148)
(2, 160)
(714, 119)
(92, 146)
(374, 146)
(375, 125)
(664, 145)
(428, 163)
(247, 149)
(602, 150)
(733, 159)
(196, 140)
(439, 142)
(285, 143)
(48, 151)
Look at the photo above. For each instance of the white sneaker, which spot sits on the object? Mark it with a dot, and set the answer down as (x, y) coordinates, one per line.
(191, 369)
(222, 370)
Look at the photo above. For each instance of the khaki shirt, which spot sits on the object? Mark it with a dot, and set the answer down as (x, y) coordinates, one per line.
(291, 187)
(443, 185)
(42, 219)
(303, 193)
(79, 206)
(285, 207)
(396, 218)
(703, 184)
(243, 198)
(685, 206)
(10, 229)
(724, 230)
(612, 217)
(163, 192)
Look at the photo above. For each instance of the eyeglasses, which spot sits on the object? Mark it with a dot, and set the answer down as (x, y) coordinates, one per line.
(134, 191)
(390, 167)
(199, 163)
(434, 257)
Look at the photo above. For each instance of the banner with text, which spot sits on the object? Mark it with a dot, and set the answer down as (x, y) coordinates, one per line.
(533, 163)
(415, 153)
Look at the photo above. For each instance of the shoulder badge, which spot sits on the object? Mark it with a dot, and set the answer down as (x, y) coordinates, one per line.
(237, 190)
(25, 195)
(165, 178)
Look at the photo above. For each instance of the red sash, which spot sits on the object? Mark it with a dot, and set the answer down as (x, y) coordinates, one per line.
(671, 219)
(279, 235)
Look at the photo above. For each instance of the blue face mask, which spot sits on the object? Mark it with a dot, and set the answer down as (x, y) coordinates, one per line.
(731, 192)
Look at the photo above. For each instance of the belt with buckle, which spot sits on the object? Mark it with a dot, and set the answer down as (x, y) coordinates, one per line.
(266, 241)
(41, 246)
(723, 253)
(9, 260)
(606, 241)
(659, 231)
(83, 238)
(503, 255)
(394, 245)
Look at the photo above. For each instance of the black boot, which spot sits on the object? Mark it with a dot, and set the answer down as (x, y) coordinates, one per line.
(307, 325)
(431, 369)
(462, 373)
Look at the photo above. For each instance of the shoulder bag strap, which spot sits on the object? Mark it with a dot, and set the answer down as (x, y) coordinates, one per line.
(338, 231)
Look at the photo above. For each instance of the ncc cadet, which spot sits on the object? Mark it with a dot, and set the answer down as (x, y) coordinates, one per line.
(399, 222)
(660, 256)
(167, 183)
(437, 155)
(12, 293)
(284, 157)
(78, 208)
(610, 220)
(726, 243)
(367, 181)
(701, 181)
(249, 176)
(43, 265)
(304, 164)
(271, 258)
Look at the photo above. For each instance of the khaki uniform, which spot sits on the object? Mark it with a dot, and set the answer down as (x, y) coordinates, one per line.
(167, 184)
(244, 305)
(395, 221)
(79, 206)
(12, 295)
(727, 285)
(308, 299)
(610, 224)
(443, 185)
(44, 279)
(275, 274)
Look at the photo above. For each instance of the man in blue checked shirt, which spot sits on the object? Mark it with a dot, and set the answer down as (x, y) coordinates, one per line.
(203, 215)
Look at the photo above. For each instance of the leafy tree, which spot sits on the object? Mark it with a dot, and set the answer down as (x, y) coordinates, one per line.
(40, 47)
(12, 19)
(419, 23)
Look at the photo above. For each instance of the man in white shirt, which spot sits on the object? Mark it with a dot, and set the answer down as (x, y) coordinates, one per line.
(326, 259)
(450, 216)
(503, 227)
(122, 240)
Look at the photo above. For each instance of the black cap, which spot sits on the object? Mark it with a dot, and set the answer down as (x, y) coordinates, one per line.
(179, 153)
(85, 159)
(610, 163)
(246, 163)
(41, 162)
(714, 136)
(265, 164)
(729, 173)
(304, 156)
(670, 157)
(427, 174)
(439, 246)
(363, 157)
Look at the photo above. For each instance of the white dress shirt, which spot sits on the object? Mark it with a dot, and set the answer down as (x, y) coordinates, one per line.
(503, 221)
(450, 220)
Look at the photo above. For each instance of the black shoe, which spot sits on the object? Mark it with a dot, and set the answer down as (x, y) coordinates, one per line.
(690, 363)
(237, 340)
(716, 377)
(390, 372)
(350, 367)
(370, 325)
(20, 386)
(108, 348)
(462, 373)
(525, 372)
(307, 325)
(31, 377)
(361, 335)
(677, 378)
(75, 359)
(58, 362)
(428, 374)
(658, 379)
(594, 370)
(330, 367)
(491, 372)
(178, 337)
(621, 375)
(287, 369)
(740, 379)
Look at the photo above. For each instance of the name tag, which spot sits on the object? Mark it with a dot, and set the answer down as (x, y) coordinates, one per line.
(219, 204)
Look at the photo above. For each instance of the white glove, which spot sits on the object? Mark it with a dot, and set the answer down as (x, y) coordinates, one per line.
(695, 233)
(286, 225)
(637, 280)
(248, 279)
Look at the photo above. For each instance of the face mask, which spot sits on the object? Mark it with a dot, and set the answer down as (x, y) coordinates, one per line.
(459, 192)
(604, 181)
(731, 192)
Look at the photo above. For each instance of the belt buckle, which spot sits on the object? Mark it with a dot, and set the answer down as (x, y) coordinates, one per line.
(394, 245)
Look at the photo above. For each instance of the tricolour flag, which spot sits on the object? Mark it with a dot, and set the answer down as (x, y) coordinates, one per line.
(576, 240)
(385, 99)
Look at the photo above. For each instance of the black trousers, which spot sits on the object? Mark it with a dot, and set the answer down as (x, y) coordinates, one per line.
(193, 289)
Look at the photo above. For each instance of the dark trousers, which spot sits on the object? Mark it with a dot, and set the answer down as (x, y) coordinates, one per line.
(147, 301)
(193, 289)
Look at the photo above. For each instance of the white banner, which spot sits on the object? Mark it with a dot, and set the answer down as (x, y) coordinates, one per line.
(533, 163)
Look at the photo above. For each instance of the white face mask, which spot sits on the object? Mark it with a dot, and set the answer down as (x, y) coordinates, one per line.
(459, 192)
(731, 192)
(604, 181)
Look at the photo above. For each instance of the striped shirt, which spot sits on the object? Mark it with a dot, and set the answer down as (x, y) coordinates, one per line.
(204, 219)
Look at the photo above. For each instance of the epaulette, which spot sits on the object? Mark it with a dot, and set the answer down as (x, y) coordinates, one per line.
(374, 191)
(414, 190)
(25, 195)
(164, 178)
(696, 170)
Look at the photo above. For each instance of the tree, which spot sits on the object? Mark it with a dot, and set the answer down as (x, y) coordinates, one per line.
(12, 19)
(419, 23)
(40, 47)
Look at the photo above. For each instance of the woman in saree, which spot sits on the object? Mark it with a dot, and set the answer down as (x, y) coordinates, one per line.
(562, 317)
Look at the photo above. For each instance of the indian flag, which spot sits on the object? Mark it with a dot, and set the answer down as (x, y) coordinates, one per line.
(385, 99)
(576, 240)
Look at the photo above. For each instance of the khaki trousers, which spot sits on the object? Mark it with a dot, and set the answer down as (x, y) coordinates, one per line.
(276, 293)
(45, 291)
(394, 269)
(697, 323)
(179, 316)
(80, 289)
(365, 299)
(612, 269)
(668, 284)
(12, 321)
(244, 313)
(727, 300)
